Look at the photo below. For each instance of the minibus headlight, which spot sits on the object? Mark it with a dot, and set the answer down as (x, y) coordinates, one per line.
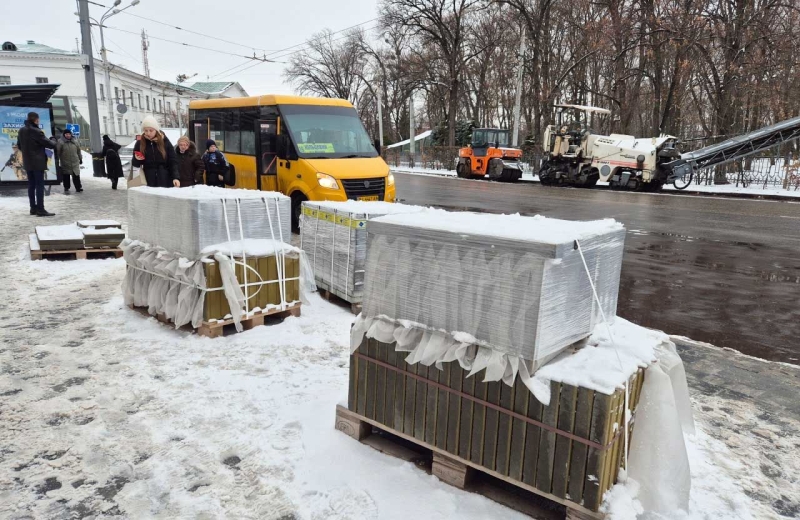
(326, 181)
(390, 180)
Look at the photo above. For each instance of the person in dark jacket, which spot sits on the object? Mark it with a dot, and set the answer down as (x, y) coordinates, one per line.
(156, 156)
(32, 142)
(70, 160)
(216, 165)
(190, 165)
(113, 167)
(108, 144)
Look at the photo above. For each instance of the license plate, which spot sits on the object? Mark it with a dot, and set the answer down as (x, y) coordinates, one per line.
(369, 197)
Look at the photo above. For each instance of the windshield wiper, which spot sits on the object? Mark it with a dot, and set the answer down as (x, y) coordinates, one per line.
(356, 156)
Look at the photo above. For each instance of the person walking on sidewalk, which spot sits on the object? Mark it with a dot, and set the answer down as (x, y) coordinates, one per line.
(113, 162)
(156, 156)
(190, 165)
(32, 142)
(216, 165)
(70, 159)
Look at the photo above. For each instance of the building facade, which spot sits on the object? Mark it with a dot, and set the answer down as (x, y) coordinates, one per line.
(133, 95)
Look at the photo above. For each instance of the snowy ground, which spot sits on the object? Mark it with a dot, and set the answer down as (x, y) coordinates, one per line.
(105, 413)
(728, 189)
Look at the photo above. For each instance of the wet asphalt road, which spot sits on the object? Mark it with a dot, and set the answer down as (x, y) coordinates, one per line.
(720, 270)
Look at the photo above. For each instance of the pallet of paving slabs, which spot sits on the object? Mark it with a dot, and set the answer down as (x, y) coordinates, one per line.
(103, 237)
(67, 237)
(569, 451)
(269, 295)
(37, 253)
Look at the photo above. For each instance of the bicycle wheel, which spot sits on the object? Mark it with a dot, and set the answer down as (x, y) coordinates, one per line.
(682, 183)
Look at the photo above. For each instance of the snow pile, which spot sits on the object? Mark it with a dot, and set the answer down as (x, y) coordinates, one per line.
(365, 207)
(251, 247)
(100, 223)
(203, 192)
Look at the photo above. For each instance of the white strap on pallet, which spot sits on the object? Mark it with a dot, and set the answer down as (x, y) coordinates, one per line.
(244, 255)
(627, 419)
(333, 247)
(282, 273)
(278, 258)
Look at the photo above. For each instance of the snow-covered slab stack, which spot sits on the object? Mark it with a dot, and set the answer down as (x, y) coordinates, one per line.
(59, 238)
(102, 237)
(187, 220)
(99, 224)
(334, 236)
(515, 285)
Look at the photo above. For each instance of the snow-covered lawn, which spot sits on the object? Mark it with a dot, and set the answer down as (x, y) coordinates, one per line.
(106, 412)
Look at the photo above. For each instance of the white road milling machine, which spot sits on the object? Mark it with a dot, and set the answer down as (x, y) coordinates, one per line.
(577, 157)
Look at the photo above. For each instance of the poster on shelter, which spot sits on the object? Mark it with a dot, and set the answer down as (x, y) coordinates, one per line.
(12, 118)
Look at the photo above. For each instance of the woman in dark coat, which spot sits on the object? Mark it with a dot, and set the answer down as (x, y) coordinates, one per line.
(113, 167)
(156, 156)
(190, 165)
(108, 144)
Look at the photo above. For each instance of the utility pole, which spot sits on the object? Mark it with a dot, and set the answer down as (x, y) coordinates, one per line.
(145, 46)
(518, 97)
(98, 167)
(411, 132)
(380, 119)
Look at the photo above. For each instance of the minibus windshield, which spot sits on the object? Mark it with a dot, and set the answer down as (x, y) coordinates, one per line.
(325, 132)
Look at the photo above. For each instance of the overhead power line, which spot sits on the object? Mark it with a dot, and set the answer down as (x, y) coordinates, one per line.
(255, 58)
(204, 35)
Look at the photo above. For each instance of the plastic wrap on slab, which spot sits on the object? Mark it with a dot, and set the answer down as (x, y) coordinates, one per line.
(213, 286)
(187, 220)
(334, 236)
(515, 284)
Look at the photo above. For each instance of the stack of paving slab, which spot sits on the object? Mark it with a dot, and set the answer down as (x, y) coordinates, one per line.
(98, 224)
(68, 237)
(334, 236)
(515, 284)
(188, 220)
(95, 238)
(187, 247)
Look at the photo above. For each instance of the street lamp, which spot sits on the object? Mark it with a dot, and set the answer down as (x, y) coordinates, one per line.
(108, 14)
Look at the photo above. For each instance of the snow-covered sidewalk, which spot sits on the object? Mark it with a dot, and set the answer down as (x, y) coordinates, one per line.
(104, 412)
(695, 189)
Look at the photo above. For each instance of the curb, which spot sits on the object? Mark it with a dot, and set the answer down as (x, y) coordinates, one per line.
(693, 193)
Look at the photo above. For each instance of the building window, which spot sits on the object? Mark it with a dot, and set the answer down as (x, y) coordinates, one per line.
(160, 106)
(169, 108)
(147, 100)
(127, 129)
(139, 104)
(5, 80)
(102, 93)
(105, 124)
(122, 95)
(133, 105)
(119, 124)
(116, 94)
(42, 80)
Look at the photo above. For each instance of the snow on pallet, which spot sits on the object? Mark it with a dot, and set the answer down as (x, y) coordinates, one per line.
(459, 472)
(215, 329)
(37, 253)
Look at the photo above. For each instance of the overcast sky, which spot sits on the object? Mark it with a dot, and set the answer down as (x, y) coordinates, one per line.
(256, 24)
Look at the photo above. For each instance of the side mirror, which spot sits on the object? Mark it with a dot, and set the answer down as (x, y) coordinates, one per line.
(377, 144)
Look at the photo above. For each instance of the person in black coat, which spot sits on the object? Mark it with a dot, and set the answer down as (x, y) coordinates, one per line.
(190, 165)
(113, 167)
(156, 156)
(216, 165)
(32, 142)
(108, 144)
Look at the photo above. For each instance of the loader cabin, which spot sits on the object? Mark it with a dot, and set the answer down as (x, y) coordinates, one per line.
(572, 125)
(304, 147)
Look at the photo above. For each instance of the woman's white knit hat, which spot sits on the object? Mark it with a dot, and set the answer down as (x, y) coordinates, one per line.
(150, 122)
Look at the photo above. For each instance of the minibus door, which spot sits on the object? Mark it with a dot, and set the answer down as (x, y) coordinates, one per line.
(267, 154)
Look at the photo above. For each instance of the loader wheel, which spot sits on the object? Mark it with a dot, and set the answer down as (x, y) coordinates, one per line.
(545, 176)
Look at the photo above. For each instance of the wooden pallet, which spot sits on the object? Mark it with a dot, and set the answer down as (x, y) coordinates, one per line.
(569, 451)
(78, 254)
(355, 308)
(458, 472)
(215, 329)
